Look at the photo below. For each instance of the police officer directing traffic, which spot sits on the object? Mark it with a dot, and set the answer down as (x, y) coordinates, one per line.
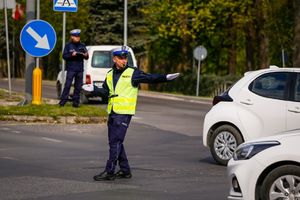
(74, 53)
(121, 86)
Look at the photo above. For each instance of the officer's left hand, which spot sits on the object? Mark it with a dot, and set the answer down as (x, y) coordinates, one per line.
(172, 76)
(85, 54)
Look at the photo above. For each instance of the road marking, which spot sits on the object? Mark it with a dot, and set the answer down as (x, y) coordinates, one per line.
(51, 140)
(136, 118)
(9, 158)
(200, 102)
(5, 149)
(16, 131)
(169, 97)
(5, 129)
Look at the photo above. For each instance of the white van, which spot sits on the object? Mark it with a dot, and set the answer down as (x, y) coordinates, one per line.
(95, 68)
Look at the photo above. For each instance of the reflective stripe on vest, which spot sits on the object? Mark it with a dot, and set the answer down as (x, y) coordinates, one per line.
(124, 96)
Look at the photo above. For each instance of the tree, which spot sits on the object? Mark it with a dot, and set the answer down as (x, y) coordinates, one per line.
(296, 51)
(80, 19)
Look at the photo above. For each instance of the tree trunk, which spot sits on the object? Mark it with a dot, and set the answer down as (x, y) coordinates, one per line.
(232, 48)
(262, 38)
(250, 40)
(296, 49)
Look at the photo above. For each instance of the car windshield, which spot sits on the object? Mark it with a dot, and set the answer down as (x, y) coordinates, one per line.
(103, 59)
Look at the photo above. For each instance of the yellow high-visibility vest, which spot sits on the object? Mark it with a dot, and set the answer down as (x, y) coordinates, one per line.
(123, 98)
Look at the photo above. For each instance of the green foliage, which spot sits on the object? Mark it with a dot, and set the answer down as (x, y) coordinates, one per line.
(222, 27)
(240, 35)
(107, 24)
(80, 19)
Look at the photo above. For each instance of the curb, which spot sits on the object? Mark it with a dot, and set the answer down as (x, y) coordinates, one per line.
(176, 97)
(54, 120)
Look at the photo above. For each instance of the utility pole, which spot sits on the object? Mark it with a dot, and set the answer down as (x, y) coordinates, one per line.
(125, 22)
(30, 15)
(7, 47)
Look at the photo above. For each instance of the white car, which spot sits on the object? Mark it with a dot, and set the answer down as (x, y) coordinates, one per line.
(262, 103)
(266, 169)
(96, 68)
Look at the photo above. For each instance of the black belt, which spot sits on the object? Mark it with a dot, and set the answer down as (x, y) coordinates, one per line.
(112, 96)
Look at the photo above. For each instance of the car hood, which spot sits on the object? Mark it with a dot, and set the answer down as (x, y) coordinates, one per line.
(283, 135)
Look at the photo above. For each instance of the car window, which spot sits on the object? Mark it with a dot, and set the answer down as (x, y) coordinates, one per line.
(271, 85)
(101, 59)
(130, 61)
(297, 88)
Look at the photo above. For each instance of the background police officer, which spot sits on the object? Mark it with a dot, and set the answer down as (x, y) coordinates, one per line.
(74, 53)
(121, 87)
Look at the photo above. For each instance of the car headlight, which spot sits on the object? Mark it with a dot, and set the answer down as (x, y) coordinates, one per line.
(248, 150)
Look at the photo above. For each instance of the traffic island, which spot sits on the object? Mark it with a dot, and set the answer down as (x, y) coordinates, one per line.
(54, 120)
(48, 111)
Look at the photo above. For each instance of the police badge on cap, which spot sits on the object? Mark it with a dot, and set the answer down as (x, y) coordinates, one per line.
(75, 32)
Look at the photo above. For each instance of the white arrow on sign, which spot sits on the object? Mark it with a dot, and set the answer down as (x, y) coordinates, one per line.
(42, 42)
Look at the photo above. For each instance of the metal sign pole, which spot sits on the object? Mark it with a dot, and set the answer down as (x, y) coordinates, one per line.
(200, 54)
(37, 17)
(125, 22)
(7, 47)
(198, 77)
(283, 58)
(63, 46)
(30, 15)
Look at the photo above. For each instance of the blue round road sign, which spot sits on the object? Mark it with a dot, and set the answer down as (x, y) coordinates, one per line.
(38, 38)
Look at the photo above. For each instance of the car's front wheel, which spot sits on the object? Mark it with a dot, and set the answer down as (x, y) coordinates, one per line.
(281, 183)
(83, 98)
(58, 89)
(224, 140)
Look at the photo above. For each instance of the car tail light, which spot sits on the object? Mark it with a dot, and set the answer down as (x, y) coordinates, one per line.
(223, 97)
(88, 79)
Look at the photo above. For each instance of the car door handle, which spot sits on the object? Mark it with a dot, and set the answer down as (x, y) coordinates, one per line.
(247, 102)
(294, 110)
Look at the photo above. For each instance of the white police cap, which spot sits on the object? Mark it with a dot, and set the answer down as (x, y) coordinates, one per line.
(120, 51)
(75, 32)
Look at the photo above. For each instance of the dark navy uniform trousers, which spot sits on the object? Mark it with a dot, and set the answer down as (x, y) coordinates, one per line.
(117, 128)
(77, 76)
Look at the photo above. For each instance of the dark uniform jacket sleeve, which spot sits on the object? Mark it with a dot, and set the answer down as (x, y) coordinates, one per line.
(74, 63)
(142, 77)
(70, 48)
(67, 54)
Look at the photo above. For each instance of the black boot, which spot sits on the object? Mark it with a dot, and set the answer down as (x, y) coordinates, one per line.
(105, 176)
(121, 174)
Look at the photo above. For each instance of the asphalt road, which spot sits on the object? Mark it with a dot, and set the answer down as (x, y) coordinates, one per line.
(163, 143)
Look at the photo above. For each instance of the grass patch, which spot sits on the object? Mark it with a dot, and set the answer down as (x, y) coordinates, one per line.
(13, 97)
(45, 109)
(53, 110)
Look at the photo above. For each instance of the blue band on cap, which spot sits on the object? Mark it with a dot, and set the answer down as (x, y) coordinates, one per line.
(120, 53)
